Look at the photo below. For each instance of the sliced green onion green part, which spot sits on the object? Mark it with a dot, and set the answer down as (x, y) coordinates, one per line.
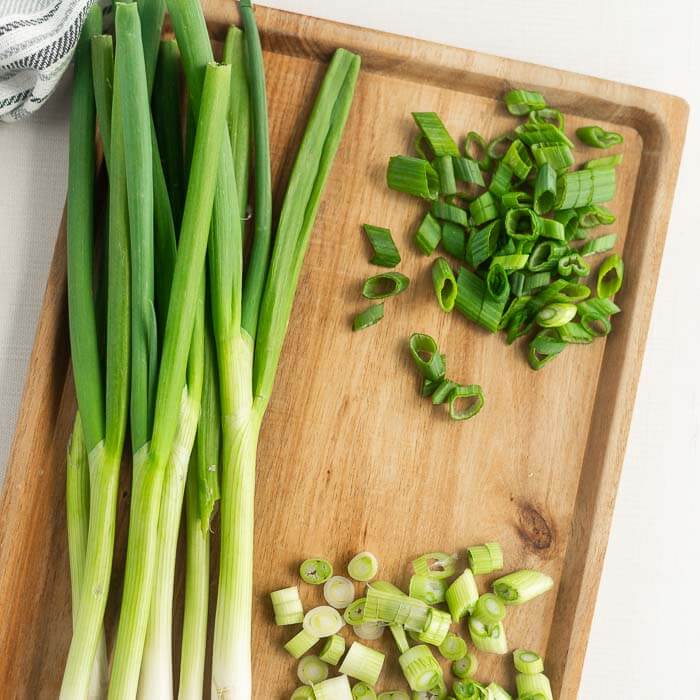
(490, 609)
(363, 566)
(573, 264)
(468, 689)
(584, 187)
(287, 606)
(501, 180)
(385, 285)
(444, 166)
(597, 137)
(488, 638)
(595, 215)
(601, 244)
(426, 356)
(333, 650)
(545, 189)
(354, 614)
(547, 115)
(482, 243)
(518, 159)
(476, 149)
(516, 200)
(444, 284)
(558, 156)
(420, 668)
(465, 667)
(522, 224)
(497, 284)
(519, 102)
(575, 334)
(300, 643)
(526, 661)
(413, 176)
(362, 691)
(532, 684)
(498, 146)
(485, 558)
(339, 592)
(466, 402)
(449, 212)
(435, 564)
(453, 647)
(468, 170)
(544, 347)
(462, 595)
(428, 234)
(542, 133)
(435, 133)
(556, 315)
(605, 162)
(454, 240)
(568, 218)
(337, 688)
(311, 670)
(368, 317)
(610, 275)
(429, 589)
(522, 586)
(315, 571)
(483, 209)
(323, 621)
(386, 254)
(429, 386)
(363, 663)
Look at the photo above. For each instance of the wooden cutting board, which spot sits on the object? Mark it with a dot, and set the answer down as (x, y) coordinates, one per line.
(350, 457)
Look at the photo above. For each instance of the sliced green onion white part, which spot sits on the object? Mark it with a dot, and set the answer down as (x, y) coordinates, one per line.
(526, 661)
(420, 668)
(395, 608)
(429, 589)
(339, 592)
(435, 564)
(490, 609)
(522, 586)
(333, 650)
(287, 606)
(393, 695)
(436, 627)
(363, 567)
(462, 595)
(488, 638)
(354, 614)
(337, 688)
(453, 647)
(468, 690)
(369, 631)
(362, 691)
(363, 663)
(315, 571)
(312, 670)
(496, 692)
(300, 643)
(533, 683)
(303, 693)
(465, 667)
(485, 558)
(323, 621)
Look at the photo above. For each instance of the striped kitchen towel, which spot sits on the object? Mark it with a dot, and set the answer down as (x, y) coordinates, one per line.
(37, 40)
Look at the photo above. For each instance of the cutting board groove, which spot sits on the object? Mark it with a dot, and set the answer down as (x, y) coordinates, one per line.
(350, 458)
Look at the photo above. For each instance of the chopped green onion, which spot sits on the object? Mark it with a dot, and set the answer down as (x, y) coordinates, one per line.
(557, 155)
(473, 301)
(501, 180)
(490, 609)
(542, 132)
(605, 162)
(445, 169)
(333, 650)
(436, 627)
(483, 209)
(362, 691)
(610, 274)
(488, 638)
(595, 315)
(572, 292)
(522, 224)
(573, 264)
(468, 170)
(454, 240)
(575, 334)
(597, 137)
(545, 189)
(339, 592)
(428, 234)
(413, 176)
(420, 668)
(436, 134)
(519, 102)
(386, 254)
(497, 284)
(323, 621)
(395, 607)
(363, 663)
(485, 558)
(427, 357)
(556, 315)
(527, 661)
(518, 159)
(303, 693)
(337, 688)
(522, 586)
(453, 647)
(369, 630)
(363, 567)
(287, 606)
(547, 115)
(429, 387)
(533, 683)
(496, 692)
(536, 281)
(368, 317)
(429, 589)
(300, 643)
(498, 146)
(601, 244)
(462, 595)
(511, 262)
(568, 218)
(468, 690)
(465, 667)
(544, 347)
(482, 243)
(594, 215)
(584, 187)
(312, 670)
(435, 564)
(355, 612)
(315, 571)
(545, 256)
(445, 284)
(385, 285)
(516, 200)
(475, 145)
(449, 212)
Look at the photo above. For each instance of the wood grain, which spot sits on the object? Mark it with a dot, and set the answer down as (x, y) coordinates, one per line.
(350, 458)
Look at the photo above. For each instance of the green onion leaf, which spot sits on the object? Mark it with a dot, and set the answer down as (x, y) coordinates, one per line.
(610, 275)
(368, 317)
(568, 218)
(497, 147)
(520, 102)
(547, 115)
(497, 284)
(441, 394)
(522, 224)
(518, 159)
(545, 189)
(597, 137)
(476, 149)
(588, 217)
(386, 254)
(482, 243)
(545, 256)
(387, 284)
(413, 176)
(454, 240)
(449, 212)
(428, 234)
(556, 315)
(573, 264)
(444, 166)
(444, 284)
(557, 155)
(468, 170)
(501, 180)
(544, 347)
(425, 354)
(575, 334)
(601, 244)
(605, 162)
(483, 209)
(436, 134)
(542, 133)
(471, 396)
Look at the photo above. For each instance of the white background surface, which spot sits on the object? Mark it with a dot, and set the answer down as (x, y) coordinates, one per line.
(644, 641)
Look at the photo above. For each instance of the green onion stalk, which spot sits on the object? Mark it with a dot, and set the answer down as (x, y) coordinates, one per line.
(142, 548)
(103, 406)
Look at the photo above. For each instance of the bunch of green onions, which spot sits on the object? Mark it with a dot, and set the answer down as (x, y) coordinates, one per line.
(182, 341)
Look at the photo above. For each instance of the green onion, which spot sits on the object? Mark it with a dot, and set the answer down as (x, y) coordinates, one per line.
(545, 189)
(571, 292)
(485, 558)
(510, 263)
(520, 102)
(444, 166)
(429, 386)
(472, 302)
(427, 357)
(475, 146)
(547, 115)
(465, 667)
(483, 209)
(594, 215)
(315, 571)
(303, 693)
(497, 285)
(337, 688)
(362, 691)
(498, 146)
(542, 133)
(395, 607)
(434, 564)
(428, 234)
(527, 661)
(462, 595)
(585, 187)
(436, 627)
(387, 284)
(558, 156)
(601, 244)
(482, 243)
(312, 670)
(420, 668)
(516, 200)
(354, 614)
(610, 274)
(490, 609)
(339, 592)
(443, 392)
(605, 162)
(369, 630)
(544, 347)
(522, 586)
(386, 254)
(522, 224)
(413, 176)
(287, 606)
(545, 256)
(323, 621)
(501, 180)
(468, 170)
(573, 264)
(597, 137)
(435, 133)
(445, 284)
(518, 159)
(575, 333)
(333, 650)
(300, 643)
(488, 638)
(555, 315)
(453, 647)
(568, 218)
(468, 690)
(454, 240)
(496, 692)
(449, 212)
(533, 683)
(362, 663)
(368, 317)
(363, 566)
(429, 589)
(595, 315)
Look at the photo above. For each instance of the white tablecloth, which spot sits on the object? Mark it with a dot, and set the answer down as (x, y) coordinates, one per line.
(644, 642)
